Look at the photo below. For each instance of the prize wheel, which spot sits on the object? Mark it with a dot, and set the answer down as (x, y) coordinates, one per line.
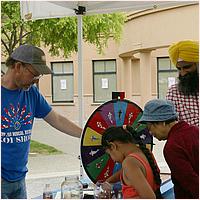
(97, 164)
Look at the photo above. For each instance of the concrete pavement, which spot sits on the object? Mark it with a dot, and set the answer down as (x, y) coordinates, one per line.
(44, 133)
(51, 168)
(44, 166)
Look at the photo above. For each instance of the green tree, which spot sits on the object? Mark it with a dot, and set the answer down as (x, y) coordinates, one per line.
(57, 34)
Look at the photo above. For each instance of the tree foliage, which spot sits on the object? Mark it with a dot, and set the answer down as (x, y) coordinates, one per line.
(59, 33)
(14, 31)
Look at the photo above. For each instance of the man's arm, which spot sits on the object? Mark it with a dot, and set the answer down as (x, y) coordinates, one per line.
(63, 124)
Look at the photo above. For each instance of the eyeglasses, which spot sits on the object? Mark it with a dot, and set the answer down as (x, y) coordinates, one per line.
(35, 77)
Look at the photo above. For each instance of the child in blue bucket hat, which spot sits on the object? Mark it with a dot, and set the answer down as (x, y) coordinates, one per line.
(181, 150)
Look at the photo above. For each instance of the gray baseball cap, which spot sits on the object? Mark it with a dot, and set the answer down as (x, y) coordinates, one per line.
(32, 55)
(158, 110)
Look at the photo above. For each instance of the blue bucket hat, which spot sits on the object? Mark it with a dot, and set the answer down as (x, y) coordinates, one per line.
(158, 110)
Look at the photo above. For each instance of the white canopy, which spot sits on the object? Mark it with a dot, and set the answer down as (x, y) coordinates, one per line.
(57, 9)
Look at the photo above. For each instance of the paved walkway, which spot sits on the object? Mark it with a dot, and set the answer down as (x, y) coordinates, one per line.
(49, 169)
(52, 168)
(52, 165)
(46, 134)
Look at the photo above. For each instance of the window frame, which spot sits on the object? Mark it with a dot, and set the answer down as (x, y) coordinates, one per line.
(61, 74)
(101, 73)
(163, 70)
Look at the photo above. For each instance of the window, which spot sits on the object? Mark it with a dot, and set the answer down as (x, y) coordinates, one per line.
(104, 80)
(3, 68)
(167, 75)
(62, 82)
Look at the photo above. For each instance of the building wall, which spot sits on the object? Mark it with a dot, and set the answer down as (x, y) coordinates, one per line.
(145, 37)
(161, 28)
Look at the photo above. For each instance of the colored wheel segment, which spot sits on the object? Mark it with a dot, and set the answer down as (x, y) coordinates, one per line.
(97, 164)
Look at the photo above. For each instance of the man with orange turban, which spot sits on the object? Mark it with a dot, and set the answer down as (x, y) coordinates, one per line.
(185, 94)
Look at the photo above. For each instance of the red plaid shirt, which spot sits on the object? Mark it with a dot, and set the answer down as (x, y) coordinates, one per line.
(187, 107)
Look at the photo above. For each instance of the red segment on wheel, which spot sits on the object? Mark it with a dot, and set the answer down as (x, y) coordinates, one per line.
(97, 123)
(107, 170)
(132, 112)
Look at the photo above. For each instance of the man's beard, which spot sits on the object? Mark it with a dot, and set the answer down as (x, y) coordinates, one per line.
(189, 84)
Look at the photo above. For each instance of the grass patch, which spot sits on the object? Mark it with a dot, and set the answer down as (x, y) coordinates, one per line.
(37, 147)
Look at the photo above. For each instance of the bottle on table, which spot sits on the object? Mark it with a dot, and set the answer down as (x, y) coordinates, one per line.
(71, 188)
(47, 193)
(119, 195)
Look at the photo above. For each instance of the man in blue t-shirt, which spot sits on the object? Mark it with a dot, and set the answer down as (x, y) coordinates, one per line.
(21, 102)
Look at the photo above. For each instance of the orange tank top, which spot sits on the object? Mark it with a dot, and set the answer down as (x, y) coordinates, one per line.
(129, 191)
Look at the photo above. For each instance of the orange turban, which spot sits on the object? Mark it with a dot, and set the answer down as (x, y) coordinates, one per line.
(187, 50)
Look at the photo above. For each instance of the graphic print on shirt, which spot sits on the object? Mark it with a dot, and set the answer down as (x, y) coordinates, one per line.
(16, 124)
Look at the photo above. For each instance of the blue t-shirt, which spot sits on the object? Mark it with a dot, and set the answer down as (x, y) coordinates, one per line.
(18, 109)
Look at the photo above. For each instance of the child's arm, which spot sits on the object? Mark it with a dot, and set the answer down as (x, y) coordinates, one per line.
(114, 178)
(134, 176)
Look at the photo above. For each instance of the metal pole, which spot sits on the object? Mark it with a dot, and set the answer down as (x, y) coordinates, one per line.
(80, 71)
(80, 80)
(80, 11)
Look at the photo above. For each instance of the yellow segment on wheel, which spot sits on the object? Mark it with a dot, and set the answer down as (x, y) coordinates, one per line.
(92, 138)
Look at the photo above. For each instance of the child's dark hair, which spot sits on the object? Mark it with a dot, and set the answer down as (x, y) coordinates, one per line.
(129, 135)
(114, 133)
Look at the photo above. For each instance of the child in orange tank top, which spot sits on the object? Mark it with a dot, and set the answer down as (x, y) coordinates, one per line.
(139, 176)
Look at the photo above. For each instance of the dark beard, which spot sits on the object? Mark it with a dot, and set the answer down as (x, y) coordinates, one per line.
(189, 84)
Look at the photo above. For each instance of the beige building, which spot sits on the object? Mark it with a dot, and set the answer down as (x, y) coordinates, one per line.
(139, 65)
